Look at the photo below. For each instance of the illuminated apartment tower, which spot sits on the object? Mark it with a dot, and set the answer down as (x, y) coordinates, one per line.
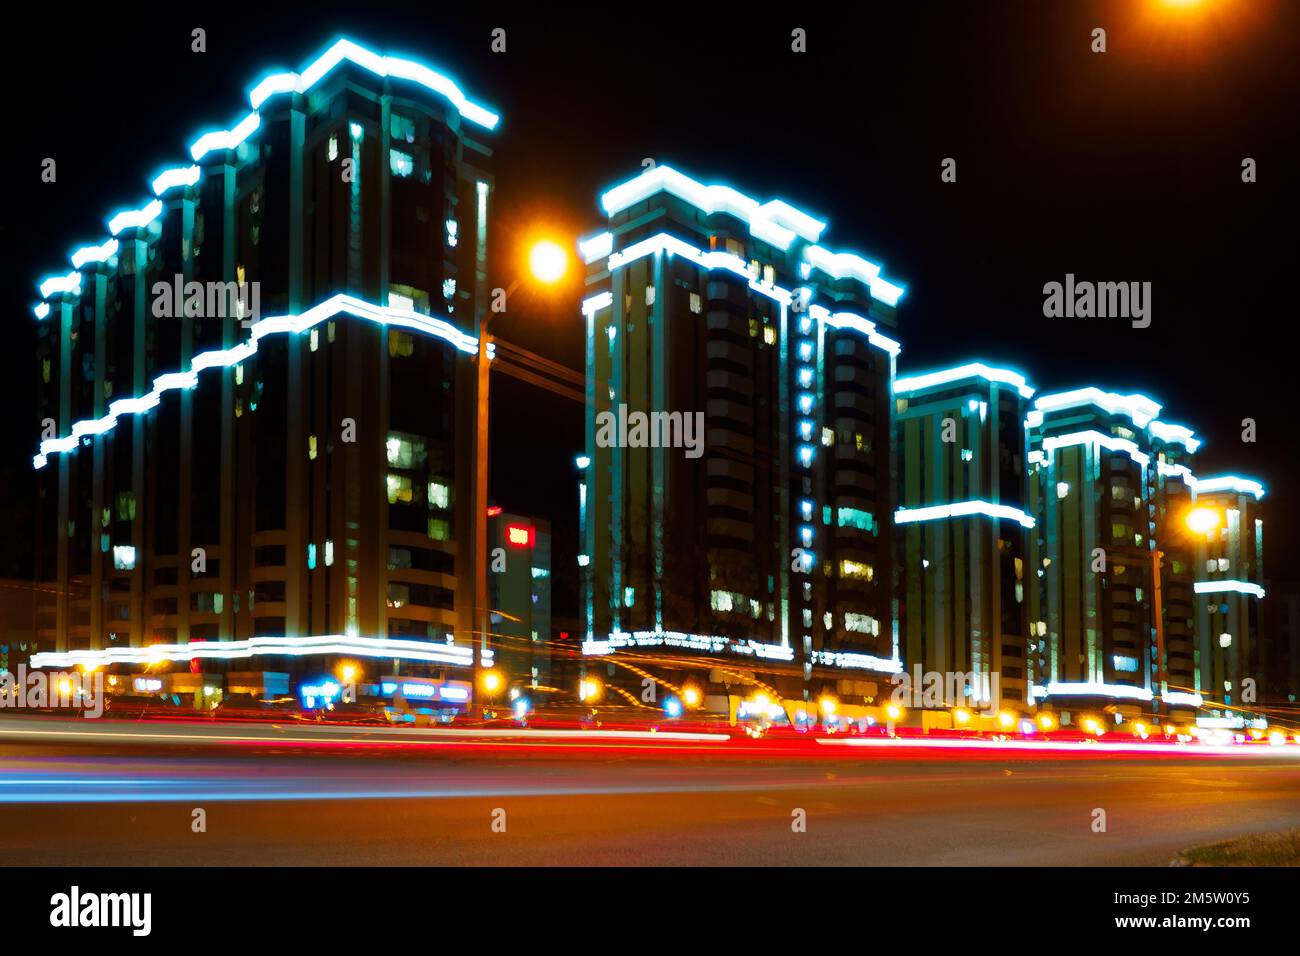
(963, 528)
(1097, 493)
(771, 551)
(310, 474)
(1229, 586)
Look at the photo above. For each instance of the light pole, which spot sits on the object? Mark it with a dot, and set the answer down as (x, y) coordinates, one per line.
(548, 263)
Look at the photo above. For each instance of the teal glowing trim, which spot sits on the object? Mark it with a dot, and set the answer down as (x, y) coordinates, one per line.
(1111, 443)
(856, 323)
(1227, 587)
(94, 254)
(990, 373)
(1175, 434)
(225, 138)
(713, 260)
(1233, 483)
(775, 222)
(224, 358)
(849, 265)
(135, 218)
(598, 302)
(596, 247)
(1140, 409)
(342, 49)
(963, 509)
(171, 178)
(61, 285)
(1218, 484)
(384, 66)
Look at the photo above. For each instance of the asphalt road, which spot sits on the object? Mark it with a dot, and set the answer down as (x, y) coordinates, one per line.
(280, 796)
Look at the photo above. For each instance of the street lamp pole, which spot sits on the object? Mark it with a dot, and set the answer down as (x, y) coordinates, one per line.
(481, 618)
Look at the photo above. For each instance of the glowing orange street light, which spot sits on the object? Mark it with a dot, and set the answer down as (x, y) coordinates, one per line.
(1203, 520)
(548, 261)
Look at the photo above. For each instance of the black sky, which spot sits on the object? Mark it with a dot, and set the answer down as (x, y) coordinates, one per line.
(1122, 166)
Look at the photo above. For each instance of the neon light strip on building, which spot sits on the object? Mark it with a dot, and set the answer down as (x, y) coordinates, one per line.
(1218, 484)
(224, 358)
(1139, 408)
(773, 222)
(1053, 442)
(915, 383)
(840, 265)
(776, 223)
(1226, 587)
(345, 49)
(1179, 434)
(377, 647)
(342, 50)
(663, 242)
(1233, 483)
(1121, 691)
(963, 509)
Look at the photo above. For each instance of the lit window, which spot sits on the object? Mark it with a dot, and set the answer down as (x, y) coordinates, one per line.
(439, 495)
(401, 128)
(123, 557)
(399, 489)
(406, 451)
(861, 623)
(401, 163)
(697, 304)
(439, 529)
(400, 344)
(857, 570)
(769, 335)
(855, 518)
(334, 148)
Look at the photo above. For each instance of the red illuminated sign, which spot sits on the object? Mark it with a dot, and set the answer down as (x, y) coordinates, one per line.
(519, 535)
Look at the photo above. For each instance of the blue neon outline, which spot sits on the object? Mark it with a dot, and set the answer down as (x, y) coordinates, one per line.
(342, 303)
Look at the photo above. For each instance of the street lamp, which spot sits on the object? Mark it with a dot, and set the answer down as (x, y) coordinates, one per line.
(1203, 520)
(548, 263)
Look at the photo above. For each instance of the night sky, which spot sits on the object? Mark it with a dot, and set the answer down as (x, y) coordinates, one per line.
(1123, 166)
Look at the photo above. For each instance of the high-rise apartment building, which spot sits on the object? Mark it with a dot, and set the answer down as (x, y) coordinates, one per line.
(963, 529)
(763, 543)
(1229, 562)
(259, 387)
(1110, 626)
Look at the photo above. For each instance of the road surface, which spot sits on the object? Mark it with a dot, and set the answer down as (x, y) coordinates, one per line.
(126, 795)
